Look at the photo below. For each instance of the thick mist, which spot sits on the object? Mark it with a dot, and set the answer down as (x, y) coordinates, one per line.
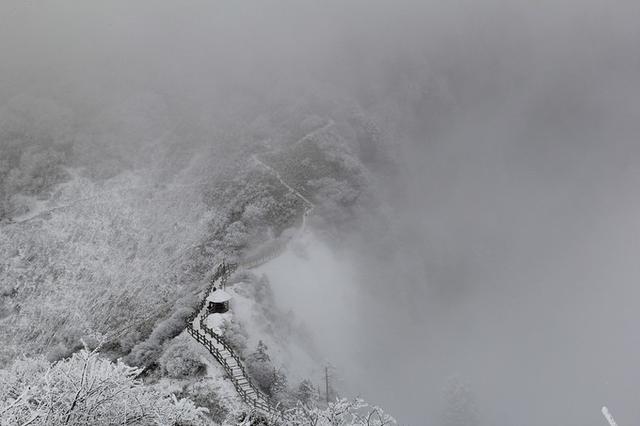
(510, 258)
(519, 225)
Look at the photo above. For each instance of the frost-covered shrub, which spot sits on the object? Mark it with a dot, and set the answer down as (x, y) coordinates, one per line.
(148, 352)
(342, 412)
(236, 235)
(205, 395)
(180, 361)
(129, 340)
(235, 335)
(145, 353)
(86, 390)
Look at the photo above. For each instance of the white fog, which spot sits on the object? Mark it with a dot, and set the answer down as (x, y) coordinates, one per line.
(319, 212)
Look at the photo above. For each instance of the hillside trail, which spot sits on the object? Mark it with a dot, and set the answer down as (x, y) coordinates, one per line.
(214, 342)
(226, 356)
(279, 247)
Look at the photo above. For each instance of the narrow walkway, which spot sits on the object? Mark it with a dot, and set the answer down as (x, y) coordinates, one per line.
(253, 262)
(216, 345)
(224, 354)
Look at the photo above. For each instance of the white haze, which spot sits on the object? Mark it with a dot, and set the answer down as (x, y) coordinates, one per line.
(513, 260)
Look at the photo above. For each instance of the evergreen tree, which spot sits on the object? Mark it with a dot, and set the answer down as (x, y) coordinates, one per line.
(307, 393)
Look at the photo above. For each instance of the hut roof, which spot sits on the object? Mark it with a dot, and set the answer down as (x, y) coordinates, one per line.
(219, 296)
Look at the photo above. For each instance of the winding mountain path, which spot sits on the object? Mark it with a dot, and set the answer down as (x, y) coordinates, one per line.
(279, 247)
(216, 345)
(225, 355)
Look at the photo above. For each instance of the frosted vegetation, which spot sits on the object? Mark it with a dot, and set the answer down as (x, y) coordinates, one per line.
(87, 389)
(113, 234)
(106, 245)
(472, 167)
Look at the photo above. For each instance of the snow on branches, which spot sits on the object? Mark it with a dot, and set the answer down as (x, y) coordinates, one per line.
(86, 389)
(342, 412)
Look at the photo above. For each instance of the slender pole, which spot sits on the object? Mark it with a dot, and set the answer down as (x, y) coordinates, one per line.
(326, 382)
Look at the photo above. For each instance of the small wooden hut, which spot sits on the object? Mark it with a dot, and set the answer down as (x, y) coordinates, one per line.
(218, 301)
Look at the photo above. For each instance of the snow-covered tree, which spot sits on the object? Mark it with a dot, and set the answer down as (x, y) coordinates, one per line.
(235, 335)
(179, 360)
(307, 393)
(342, 412)
(86, 389)
(260, 354)
(261, 369)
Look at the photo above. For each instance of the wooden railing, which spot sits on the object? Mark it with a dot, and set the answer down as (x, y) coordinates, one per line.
(252, 396)
(222, 273)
